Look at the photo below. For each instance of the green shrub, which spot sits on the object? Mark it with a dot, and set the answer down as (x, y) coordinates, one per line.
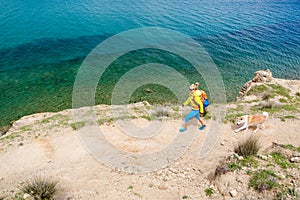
(282, 161)
(4, 129)
(263, 180)
(233, 166)
(289, 107)
(248, 148)
(287, 193)
(287, 117)
(232, 117)
(258, 89)
(249, 162)
(149, 118)
(209, 191)
(282, 100)
(40, 188)
(77, 125)
(278, 89)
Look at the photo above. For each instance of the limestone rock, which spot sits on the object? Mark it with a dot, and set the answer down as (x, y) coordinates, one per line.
(233, 193)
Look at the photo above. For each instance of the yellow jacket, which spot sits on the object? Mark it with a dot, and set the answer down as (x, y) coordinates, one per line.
(195, 101)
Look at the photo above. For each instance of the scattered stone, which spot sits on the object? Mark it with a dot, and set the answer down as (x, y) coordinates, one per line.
(233, 193)
(298, 190)
(1, 178)
(270, 156)
(264, 157)
(162, 187)
(295, 159)
(241, 158)
(27, 196)
(148, 90)
(222, 143)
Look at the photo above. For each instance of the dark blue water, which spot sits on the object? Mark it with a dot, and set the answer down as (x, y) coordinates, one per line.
(43, 43)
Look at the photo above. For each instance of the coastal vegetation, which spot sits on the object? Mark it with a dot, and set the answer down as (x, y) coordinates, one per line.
(264, 171)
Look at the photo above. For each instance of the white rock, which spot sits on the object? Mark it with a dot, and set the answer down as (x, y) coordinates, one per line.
(233, 193)
(295, 159)
(264, 157)
(298, 190)
(241, 158)
(222, 143)
(26, 196)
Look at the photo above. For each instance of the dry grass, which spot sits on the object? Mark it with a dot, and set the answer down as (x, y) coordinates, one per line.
(40, 188)
(249, 147)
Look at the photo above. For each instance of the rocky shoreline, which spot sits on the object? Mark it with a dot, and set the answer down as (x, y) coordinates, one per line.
(47, 145)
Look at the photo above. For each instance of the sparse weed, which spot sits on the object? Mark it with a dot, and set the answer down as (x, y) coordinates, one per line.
(282, 161)
(232, 117)
(175, 108)
(149, 118)
(233, 166)
(267, 105)
(263, 180)
(77, 125)
(209, 191)
(130, 187)
(287, 193)
(282, 100)
(102, 121)
(258, 89)
(4, 129)
(267, 96)
(278, 89)
(290, 107)
(283, 118)
(249, 161)
(161, 112)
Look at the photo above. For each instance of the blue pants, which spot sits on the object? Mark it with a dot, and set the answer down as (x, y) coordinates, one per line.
(193, 113)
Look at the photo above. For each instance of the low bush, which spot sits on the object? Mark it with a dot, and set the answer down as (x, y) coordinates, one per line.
(40, 188)
(248, 148)
(263, 180)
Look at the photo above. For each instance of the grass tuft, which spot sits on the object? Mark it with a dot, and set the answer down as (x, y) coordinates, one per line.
(40, 188)
(248, 148)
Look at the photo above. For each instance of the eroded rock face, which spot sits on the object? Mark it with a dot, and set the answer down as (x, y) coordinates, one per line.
(260, 76)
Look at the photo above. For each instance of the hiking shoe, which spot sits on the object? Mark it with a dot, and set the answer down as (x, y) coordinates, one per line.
(202, 127)
(182, 129)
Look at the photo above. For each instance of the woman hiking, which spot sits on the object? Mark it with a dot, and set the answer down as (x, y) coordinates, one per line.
(194, 99)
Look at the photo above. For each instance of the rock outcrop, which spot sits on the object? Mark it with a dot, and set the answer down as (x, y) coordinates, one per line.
(260, 76)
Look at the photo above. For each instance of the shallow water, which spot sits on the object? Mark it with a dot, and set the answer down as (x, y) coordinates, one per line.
(43, 44)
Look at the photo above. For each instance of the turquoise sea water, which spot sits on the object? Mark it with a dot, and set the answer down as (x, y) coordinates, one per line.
(43, 43)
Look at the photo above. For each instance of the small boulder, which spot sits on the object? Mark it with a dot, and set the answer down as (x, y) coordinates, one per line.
(295, 159)
(233, 193)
